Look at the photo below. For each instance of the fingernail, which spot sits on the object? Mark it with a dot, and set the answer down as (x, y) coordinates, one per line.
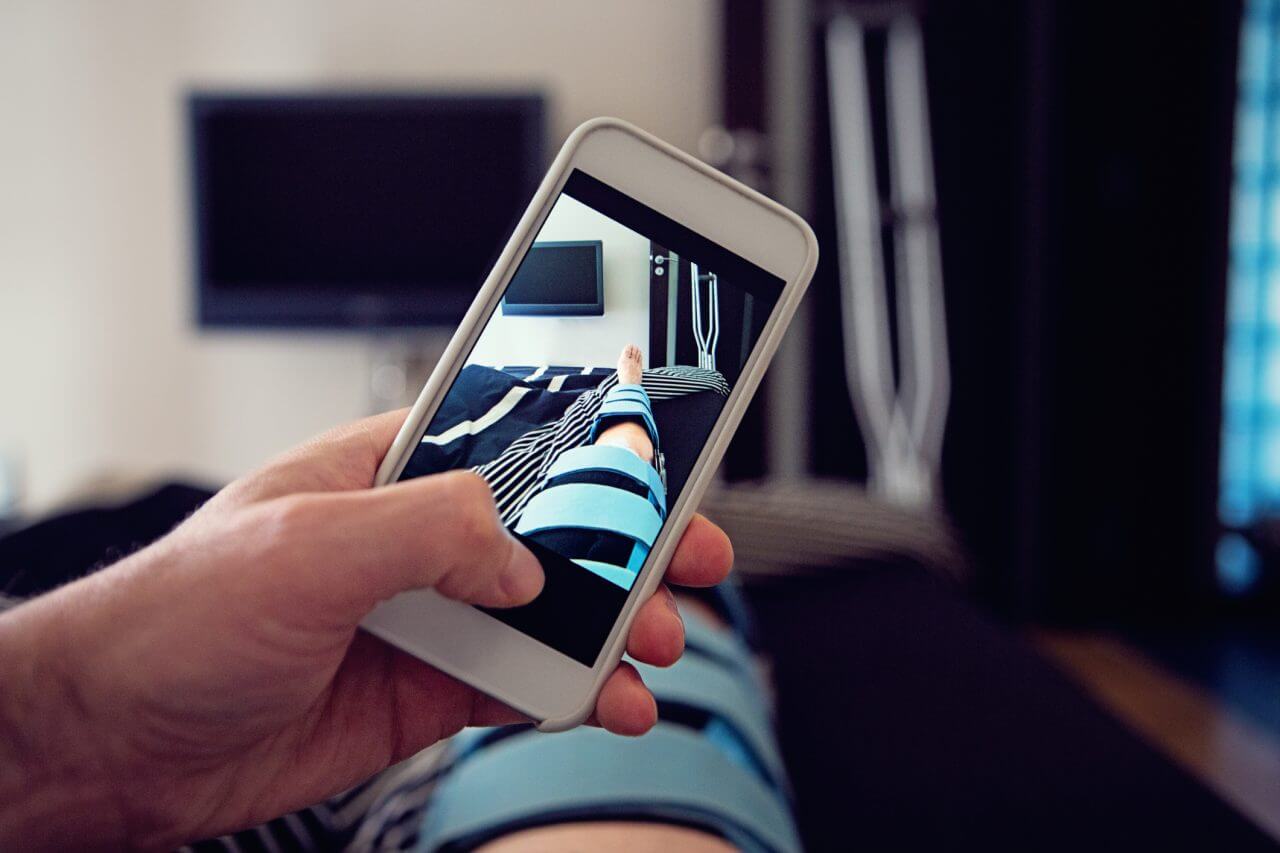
(671, 603)
(522, 577)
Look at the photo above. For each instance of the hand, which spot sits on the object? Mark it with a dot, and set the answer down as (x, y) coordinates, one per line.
(217, 679)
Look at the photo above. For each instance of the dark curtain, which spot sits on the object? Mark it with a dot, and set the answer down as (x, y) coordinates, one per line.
(1082, 152)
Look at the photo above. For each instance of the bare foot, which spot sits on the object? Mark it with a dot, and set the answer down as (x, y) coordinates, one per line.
(630, 365)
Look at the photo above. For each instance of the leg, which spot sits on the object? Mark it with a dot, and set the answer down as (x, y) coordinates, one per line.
(621, 836)
(602, 504)
(707, 778)
(608, 837)
(628, 434)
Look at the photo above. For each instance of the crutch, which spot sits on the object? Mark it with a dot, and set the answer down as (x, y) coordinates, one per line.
(902, 426)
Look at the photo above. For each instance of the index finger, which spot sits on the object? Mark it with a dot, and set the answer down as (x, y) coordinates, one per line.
(703, 557)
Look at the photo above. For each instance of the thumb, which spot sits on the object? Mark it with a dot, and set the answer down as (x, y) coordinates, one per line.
(441, 532)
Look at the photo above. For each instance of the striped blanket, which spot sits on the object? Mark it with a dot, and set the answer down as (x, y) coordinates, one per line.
(510, 424)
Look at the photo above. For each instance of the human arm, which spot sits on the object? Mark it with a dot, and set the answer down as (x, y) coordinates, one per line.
(217, 678)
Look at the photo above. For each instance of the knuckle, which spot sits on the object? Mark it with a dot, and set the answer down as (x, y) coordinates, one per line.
(469, 487)
(475, 517)
(290, 519)
(480, 531)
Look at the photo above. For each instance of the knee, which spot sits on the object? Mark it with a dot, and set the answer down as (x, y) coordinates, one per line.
(631, 436)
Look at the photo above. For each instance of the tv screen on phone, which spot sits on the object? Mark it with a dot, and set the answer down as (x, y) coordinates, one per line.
(560, 278)
(587, 428)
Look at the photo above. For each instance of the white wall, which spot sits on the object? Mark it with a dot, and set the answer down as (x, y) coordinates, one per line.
(100, 368)
(580, 341)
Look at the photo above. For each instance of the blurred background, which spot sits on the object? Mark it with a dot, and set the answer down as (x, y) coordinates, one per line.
(1008, 503)
(110, 368)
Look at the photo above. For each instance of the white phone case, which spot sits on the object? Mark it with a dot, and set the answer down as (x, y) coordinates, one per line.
(473, 324)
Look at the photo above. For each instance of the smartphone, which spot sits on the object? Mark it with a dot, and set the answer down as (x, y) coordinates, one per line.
(594, 384)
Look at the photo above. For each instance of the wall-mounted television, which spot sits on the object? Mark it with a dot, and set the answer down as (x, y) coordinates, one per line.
(558, 278)
(355, 209)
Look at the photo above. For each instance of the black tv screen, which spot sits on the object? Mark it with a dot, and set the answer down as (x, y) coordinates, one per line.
(560, 278)
(361, 210)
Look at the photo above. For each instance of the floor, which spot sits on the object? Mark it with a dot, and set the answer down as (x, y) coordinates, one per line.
(1225, 744)
(1240, 663)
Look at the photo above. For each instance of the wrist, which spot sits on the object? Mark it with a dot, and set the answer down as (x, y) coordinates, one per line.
(53, 780)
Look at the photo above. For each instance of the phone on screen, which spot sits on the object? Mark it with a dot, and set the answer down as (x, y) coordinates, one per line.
(594, 384)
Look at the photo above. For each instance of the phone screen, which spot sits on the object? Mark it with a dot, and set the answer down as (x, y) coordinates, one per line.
(590, 394)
